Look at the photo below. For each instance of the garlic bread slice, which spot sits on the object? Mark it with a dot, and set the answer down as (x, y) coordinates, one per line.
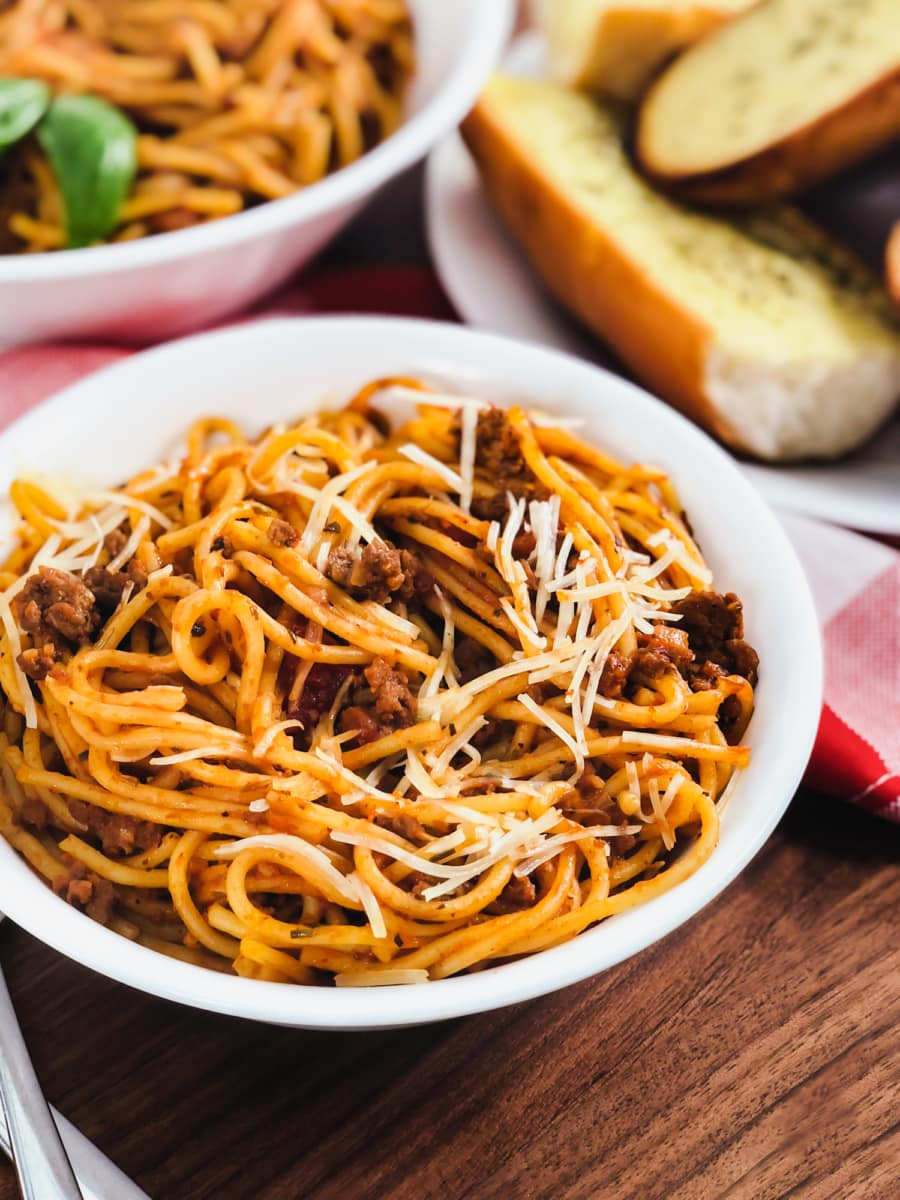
(778, 99)
(614, 48)
(761, 329)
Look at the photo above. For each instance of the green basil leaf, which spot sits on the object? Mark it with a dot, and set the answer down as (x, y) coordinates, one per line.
(92, 148)
(22, 104)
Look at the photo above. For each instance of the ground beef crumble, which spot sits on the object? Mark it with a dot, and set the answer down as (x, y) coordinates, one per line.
(118, 833)
(60, 612)
(281, 533)
(39, 661)
(661, 650)
(524, 544)
(518, 894)
(34, 813)
(406, 826)
(615, 675)
(499, 457)
(359, 720)
(497, 451)
(394, 701)
(705, 645)
(714, 625)
(392, 705)
(379, 572)
(115, 541)
(89, 893)
(472, 659)
(108, 586)
(495, 507)
(55, 605)
(587, 804)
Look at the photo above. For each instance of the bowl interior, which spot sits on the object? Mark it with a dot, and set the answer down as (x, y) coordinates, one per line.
(131, 415)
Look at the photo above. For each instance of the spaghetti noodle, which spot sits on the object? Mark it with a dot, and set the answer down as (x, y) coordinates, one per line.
(236, 101)
(367, 705)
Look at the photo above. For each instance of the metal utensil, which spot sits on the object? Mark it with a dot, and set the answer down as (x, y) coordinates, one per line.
(39, 1156)
(98, 1177)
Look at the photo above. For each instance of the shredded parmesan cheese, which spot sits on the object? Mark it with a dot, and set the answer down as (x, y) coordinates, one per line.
(681, 555)
(359, 786)
(417, 455)
(455, 745)
(370, 905)
(128, 502)
(554, 726)
(467, 448)
(325, 501)
(662, 741)
(170, 760)
(263, 745)
(140, 531)
(344, 886)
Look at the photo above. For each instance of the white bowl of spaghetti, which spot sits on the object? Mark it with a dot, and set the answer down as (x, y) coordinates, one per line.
(439, 699)
(257, 131)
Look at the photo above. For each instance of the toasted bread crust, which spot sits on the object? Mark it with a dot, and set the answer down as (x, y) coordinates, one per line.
(865, 124)
(584, 268)
(631, 45)
(892, 265)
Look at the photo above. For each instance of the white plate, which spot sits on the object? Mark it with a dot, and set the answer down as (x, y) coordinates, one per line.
(133, 414)
(487, 278)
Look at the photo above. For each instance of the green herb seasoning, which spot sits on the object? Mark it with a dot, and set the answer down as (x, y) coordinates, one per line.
(92, 148)
(22, 104)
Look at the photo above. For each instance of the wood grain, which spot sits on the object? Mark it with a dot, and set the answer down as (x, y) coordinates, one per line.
(754, 1053)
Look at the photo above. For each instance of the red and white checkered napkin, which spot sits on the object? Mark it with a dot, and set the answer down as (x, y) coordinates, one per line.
(855, 580)
(855, 583)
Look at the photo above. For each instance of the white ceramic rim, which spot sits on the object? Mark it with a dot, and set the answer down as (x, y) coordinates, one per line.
(775, 777)
(491, 29)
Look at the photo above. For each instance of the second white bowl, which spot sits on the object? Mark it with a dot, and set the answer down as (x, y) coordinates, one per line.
(170, 284)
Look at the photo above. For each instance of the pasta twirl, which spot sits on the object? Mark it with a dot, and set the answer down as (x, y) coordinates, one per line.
(367, 702)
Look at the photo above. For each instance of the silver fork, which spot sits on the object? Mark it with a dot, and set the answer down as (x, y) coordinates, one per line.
(40, 1159)
(97, 1177)
(40, 1140)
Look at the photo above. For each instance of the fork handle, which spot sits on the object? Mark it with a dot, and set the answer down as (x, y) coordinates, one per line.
(40, 1159)
(98, 1177)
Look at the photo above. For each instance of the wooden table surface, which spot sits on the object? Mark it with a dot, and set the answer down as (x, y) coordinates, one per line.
(754, 1053)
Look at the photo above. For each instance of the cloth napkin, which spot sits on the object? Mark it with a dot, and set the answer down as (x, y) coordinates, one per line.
(855, 580)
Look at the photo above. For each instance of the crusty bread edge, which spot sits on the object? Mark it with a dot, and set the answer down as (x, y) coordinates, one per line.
(630, 46)
(892, 264)
(863, 125)
(665, 346)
